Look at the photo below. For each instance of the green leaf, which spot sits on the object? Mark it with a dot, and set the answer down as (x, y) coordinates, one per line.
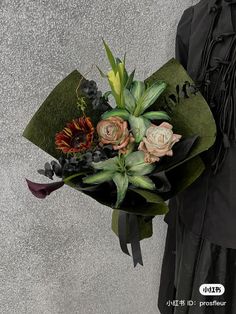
(125, 76)
(107, 94)
(156, 115)
(141, 169)
(110, 56)
(149, 97)
(156, 205)
(137, 89)
(122, 113)
(135, 164)
(100, 177)
(114, 81)
(129, 100)
(143, 182)
(130, 80)
(109, 164)
(121, 182)
(124, 58)
(121, 71)
(161, 207)
(101, 72)
(138, 127)
(135, 158)
(150, 197)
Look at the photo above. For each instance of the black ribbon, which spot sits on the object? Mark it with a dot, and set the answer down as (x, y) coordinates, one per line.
(122, 229)
(131, 221)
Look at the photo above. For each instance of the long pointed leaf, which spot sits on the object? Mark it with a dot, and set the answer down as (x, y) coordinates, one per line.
(109, 164)
(149, 97)
(130, 80)
(129, 101)
(116, 113)
(121, 72)
(156, 115)
(110, 56)
(126, 76)
(124, 58)
(137, 89)
(121, 181)
(138, 127)
(101, 72)
(143, 182)
(141, 169)
(150, 197)
(114, 81)
(115, 84)
(100, 177)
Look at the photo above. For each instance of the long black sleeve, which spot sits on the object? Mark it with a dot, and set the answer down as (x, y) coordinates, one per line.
(182, 37)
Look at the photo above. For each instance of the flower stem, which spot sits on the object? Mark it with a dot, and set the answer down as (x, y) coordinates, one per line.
(68, 179)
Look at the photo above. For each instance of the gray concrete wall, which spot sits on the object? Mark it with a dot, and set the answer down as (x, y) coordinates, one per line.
(59, 255)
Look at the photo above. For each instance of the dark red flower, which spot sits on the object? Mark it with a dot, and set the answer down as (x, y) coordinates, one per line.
(77, 136)
(41, 190)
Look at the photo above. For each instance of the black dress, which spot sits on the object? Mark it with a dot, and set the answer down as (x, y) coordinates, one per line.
(201, 237)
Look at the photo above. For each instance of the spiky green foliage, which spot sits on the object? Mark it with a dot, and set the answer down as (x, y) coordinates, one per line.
(123, 169)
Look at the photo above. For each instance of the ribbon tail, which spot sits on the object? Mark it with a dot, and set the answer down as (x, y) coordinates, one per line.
(122, 229)
(134, 240)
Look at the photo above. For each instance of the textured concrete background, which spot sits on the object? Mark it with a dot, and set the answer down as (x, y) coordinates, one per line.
(59, 255)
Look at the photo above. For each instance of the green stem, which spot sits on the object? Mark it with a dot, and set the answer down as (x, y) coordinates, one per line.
(68, 179)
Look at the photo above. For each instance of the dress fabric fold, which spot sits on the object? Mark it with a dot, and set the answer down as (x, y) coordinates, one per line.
(190, 261)
(201, 237)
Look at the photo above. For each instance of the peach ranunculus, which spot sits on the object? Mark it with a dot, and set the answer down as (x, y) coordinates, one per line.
(114, 131)
(158, 142)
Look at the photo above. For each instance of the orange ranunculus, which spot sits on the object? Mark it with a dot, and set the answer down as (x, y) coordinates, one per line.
(114, 131)
(76, 137)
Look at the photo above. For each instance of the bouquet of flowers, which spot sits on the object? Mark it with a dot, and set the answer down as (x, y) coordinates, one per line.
(131, 148)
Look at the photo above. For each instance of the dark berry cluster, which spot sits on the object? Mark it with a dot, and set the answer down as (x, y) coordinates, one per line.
(67, 166)
(90, 90)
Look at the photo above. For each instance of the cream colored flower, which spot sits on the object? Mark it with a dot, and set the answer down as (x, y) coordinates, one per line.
(158, 142)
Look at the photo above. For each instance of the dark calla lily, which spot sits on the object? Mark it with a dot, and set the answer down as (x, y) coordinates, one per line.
(41, 190)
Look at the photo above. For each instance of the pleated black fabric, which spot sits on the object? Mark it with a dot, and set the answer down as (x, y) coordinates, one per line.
(201, 237)
(190, 261)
